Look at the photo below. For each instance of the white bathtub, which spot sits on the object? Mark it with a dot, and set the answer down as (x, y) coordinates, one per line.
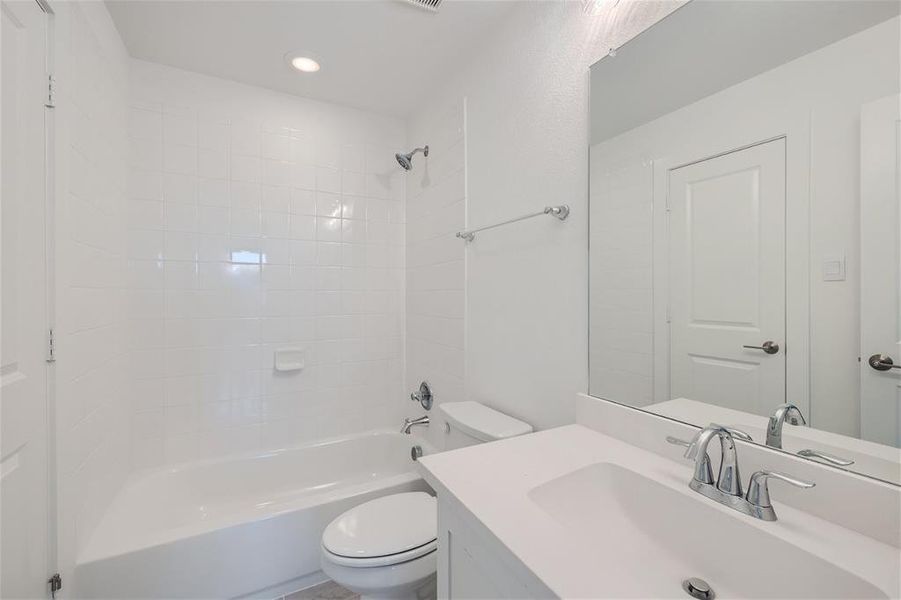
(239, 526)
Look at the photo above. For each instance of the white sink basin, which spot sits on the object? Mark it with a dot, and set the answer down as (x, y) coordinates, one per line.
(605, 505)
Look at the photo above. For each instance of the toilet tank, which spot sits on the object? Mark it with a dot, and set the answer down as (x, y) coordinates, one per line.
(469, 423)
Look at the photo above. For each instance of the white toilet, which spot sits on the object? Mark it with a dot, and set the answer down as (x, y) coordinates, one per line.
(385, 548)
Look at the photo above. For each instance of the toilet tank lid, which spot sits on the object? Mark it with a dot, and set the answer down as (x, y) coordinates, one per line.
(481, 422)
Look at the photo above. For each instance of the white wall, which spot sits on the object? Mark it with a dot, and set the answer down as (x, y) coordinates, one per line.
(259, 220)
(436, 193)
(823, 91)
(526, 90)
(92, 410)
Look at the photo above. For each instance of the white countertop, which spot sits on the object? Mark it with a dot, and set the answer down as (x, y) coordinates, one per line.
(492, 483)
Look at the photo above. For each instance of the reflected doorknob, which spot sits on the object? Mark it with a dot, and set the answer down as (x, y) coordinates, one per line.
(768, 346)
(882, 362)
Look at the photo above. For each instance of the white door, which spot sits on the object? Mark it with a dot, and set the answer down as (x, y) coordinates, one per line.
(727, 279)
(24, 475)
(880, 249)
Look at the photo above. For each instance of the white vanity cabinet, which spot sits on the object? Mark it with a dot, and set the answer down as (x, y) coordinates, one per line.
(473, 564)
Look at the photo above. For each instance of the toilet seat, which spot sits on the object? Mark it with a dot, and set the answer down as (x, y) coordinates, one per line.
(386, 531)
(382, 561)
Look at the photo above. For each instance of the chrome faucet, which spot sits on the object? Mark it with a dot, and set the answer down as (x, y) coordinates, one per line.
(792, 414)
(727, 488)
(409, 423)
(783, 412)
(729, 480)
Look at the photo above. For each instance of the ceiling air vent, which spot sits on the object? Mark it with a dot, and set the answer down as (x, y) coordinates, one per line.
(429, 5)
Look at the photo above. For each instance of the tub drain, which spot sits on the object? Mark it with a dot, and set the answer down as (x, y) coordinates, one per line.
(698, 588)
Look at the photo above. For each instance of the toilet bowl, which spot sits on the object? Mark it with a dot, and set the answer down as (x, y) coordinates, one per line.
(387, 548)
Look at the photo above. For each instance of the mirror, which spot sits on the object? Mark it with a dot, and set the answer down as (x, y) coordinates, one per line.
(745, 231)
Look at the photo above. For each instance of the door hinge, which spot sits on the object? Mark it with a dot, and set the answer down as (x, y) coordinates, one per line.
(56, 584)
(51, 92)
(51, 348)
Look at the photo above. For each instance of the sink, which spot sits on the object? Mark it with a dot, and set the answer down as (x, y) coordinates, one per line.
(627, 521)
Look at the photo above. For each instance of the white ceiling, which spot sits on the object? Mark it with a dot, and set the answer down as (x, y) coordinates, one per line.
(380, 55)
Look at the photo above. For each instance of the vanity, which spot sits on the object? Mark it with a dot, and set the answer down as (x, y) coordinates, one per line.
(740, 435)
(575, 512)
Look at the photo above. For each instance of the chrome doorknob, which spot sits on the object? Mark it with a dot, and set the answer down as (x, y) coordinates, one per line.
(882, 362)
(768, 346)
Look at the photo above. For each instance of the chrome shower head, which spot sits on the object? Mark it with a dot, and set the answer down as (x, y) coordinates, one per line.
(406, 160)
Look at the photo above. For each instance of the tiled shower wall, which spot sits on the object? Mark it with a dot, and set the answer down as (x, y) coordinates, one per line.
(436, 209)
(259, 221)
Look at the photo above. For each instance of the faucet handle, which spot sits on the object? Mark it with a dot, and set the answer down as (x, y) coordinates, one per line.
(739, 434)
(831, 459)
(423, 395)
(759, 492)
(677, 441)
(691, 452)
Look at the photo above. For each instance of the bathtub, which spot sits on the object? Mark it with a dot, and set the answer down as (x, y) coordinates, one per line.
(244, 526)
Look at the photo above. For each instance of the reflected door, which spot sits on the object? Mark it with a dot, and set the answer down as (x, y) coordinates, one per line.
(880, 249)
(727, 279)
(24, 515)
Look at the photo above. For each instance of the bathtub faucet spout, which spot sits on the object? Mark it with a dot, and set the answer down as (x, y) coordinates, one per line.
(409, 423)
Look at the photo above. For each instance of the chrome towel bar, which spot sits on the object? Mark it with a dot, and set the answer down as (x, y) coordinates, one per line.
(560, 212)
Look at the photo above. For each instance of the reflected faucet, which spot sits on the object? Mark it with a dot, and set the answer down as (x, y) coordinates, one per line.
(783, 412)
(409, 423)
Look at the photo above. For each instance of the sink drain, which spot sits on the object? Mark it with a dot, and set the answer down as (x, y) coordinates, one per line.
(698, 588)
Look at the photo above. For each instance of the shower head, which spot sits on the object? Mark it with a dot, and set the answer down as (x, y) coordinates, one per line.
(406, 160)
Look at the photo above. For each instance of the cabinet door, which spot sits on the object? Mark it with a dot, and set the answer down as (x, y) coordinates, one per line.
(472, 565)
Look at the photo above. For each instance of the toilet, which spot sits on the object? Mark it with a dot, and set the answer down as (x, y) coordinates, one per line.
(386, 548)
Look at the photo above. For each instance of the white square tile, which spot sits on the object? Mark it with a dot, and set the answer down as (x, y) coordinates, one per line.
(303, 227)
(278, 172)
(180, 159)
(276, 224)
(328, 180)
(278, 147)
(212, 135)
(179, 130)
(145, 124)
(212, 164)
(328, 230)
(245, 222)
(303, 202)
(212, 192)
(245, 168)
(245, 139)
(276, 199)
(179, 188)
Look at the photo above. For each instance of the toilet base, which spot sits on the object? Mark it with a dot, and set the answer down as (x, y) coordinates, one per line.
(412, 580)
(427, 591)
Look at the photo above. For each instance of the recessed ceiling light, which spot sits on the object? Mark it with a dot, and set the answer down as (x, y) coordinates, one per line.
(304, 64)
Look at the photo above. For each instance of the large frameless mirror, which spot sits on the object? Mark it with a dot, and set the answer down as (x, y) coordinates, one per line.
(745, 231)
